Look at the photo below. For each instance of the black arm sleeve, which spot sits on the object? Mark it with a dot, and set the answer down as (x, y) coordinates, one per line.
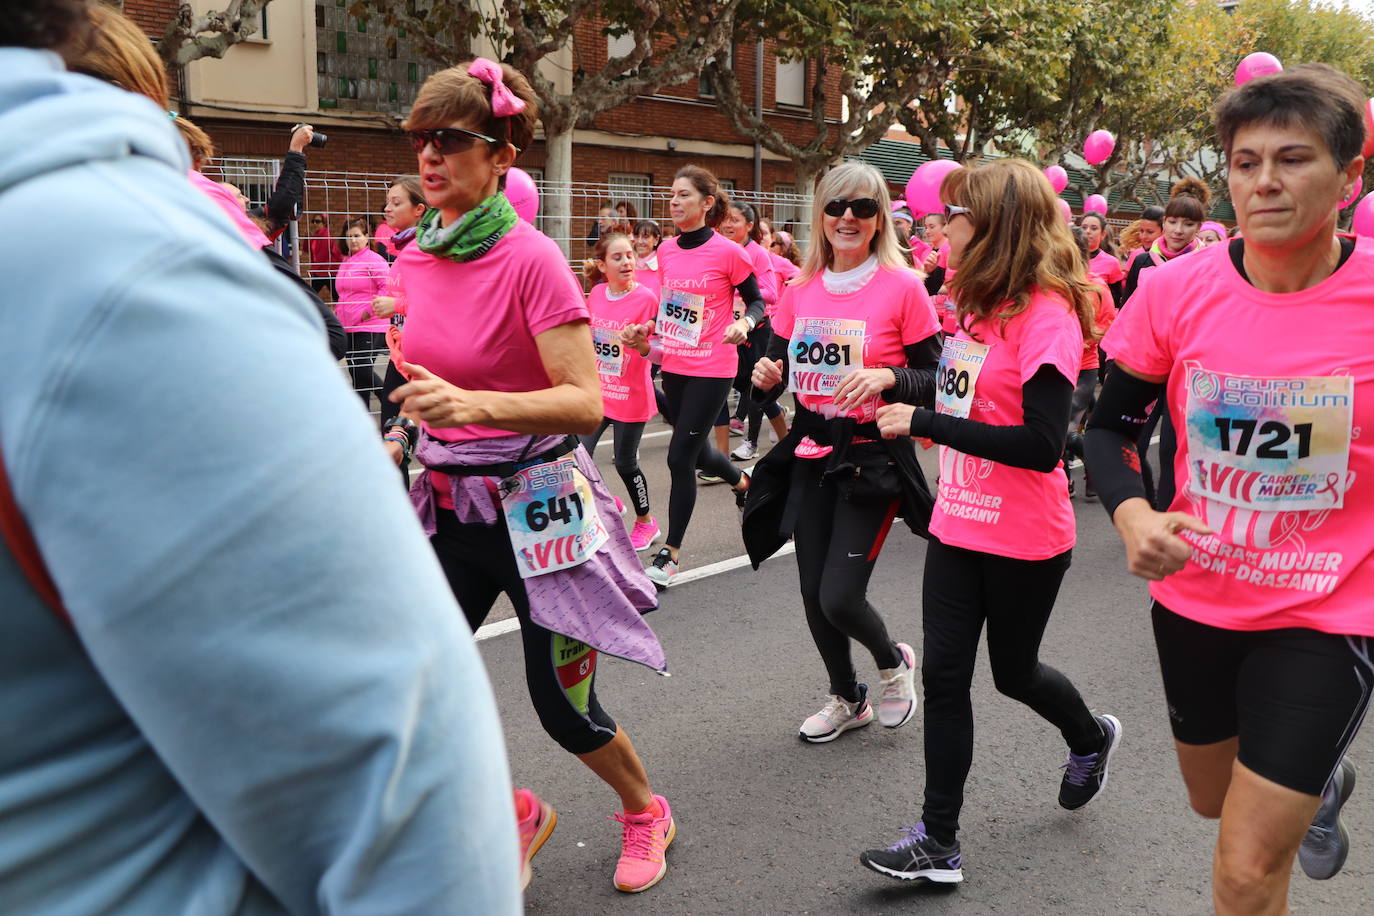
(916, 381)
(1132, 279)
(1037, 444)
(1109, 447)
(333, 328)
(285, 203)
(753, 299)
(934, 280)
(1118, 293)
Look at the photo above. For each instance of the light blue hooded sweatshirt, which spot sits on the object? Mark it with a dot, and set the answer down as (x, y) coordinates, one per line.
(268, 701)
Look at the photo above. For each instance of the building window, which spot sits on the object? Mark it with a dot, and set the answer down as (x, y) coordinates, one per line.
(791, 84)
(728, 55)
(392, 94)
(634, 189)
(341, 42)
(412, 72)
(372, 68)
(786, 208)
(728, 186)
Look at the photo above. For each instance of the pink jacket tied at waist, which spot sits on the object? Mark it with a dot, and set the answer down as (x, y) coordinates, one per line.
(601, 602)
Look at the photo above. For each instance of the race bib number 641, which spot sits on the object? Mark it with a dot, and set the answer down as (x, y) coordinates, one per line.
(551, 516)
(1269, 444)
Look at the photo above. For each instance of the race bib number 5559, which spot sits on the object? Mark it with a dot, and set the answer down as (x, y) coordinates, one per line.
(1269, 444)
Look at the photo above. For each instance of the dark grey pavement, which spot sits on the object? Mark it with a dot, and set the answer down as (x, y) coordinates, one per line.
(770, 825)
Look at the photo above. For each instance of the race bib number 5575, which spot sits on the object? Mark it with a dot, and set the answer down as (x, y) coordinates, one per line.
(1269, 444)
(681, 316)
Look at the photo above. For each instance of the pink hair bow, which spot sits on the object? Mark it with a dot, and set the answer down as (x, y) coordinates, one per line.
(504, 103)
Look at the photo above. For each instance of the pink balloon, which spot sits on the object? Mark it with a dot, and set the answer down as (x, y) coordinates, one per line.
(522, 194)
(1354, 194)
(1098, 148)
(1368, 129)
(1095, 203)
(1261, 63)
(923, 189)
(1059, 179)
(1065, 209)
(1363, 224)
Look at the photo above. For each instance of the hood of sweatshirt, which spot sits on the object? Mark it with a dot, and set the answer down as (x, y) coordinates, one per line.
(51, 119)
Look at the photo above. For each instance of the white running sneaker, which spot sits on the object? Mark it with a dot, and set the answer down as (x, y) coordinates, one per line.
(746, 451)
(837, 717)
(897, 690)
(661, 569)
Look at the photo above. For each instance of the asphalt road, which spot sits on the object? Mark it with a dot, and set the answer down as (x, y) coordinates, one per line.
(770, 825)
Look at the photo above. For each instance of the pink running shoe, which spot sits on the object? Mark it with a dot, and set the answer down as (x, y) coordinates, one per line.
(643, 534)
(619, 505)
(535, 828)
(642, 844)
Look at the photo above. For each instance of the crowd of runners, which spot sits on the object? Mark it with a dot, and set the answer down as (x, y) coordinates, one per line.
(993, 331)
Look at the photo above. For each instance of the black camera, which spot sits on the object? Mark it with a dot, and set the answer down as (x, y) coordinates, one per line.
(317, 139)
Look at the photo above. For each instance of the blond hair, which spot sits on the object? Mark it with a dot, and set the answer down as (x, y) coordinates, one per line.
(1020, 245)
(847, 180)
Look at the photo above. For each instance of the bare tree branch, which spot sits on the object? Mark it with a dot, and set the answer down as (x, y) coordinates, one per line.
(189, 36)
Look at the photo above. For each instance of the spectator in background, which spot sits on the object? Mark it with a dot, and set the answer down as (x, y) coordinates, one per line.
(362, 278)
(626, 212)
(606, 219)
(142, 769)
(324, 254)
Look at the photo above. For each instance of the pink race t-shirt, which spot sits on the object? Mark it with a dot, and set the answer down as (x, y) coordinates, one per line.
(627, 392)
(1270, 394)
(763, 271)
(1106, 268)
(783, 269)
(1103, 317)
(696, 297)
(646, 273)
(920, 249)
(830, 335)
(361, 276)
(983, 505)
(474, 323)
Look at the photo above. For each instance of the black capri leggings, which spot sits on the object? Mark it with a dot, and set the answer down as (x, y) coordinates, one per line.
(478, 562)
(838, 540)
(962, 589)
(626, 439)
(694, 403)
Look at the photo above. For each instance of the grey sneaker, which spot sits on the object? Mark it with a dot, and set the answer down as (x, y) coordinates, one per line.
(917, 856)
(746, 451)
(1326, 845)
(837, 717)
(897, 690)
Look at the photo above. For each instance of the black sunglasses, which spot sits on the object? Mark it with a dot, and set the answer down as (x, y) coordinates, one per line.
(863, 207)
(447, 140)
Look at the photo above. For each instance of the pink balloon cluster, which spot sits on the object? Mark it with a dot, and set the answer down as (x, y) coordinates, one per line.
(1260, 63)
(1099, 146)
(923, 188)
(522, 194)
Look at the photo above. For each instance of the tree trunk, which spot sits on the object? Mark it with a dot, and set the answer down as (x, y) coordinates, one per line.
(557, 203)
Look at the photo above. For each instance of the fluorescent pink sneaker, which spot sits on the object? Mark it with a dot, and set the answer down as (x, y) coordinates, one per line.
(643, 534)
(619, 504)
(535, 828)
(642, 843)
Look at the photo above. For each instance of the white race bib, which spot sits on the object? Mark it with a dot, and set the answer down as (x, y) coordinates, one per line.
(680, 316)
(824, 351)
(1269, 444)
(610, 352)
(551, 516)
(961, 361)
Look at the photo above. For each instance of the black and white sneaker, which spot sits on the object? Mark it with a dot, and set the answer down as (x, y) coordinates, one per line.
(917, 856)
(1326, 845)
(1086, 776)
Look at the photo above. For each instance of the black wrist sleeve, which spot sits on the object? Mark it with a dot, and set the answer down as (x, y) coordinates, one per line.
(1036, 444)
(777, 349)
(1109, 448)
(753, 299)
(916, 380)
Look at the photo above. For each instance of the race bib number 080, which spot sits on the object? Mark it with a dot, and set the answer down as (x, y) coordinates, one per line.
(823, 352)
(1269, 444)
(681, 316)
(551, 516)
(961, 361)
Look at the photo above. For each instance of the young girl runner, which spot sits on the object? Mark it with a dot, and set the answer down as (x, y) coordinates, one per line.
(627, 394)
(1003, 527)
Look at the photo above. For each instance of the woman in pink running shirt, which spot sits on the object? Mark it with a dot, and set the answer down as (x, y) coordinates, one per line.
(627, 392)
(695, 338)
(1002, 532)
(1102, 260)
(500, 360)
(855, 318)
(1189, 199)
(361, 279)
(1260, 569)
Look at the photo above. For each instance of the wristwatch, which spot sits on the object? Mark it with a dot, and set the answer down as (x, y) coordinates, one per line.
(751, 321)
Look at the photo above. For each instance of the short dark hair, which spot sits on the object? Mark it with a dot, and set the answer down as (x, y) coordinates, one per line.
(47, 25)
(1314, 96)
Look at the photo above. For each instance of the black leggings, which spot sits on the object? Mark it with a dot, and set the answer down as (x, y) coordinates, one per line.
(626, 439)
(559, 672)
(363, 349)
(838, 541)
(694, 403)
(962, 589)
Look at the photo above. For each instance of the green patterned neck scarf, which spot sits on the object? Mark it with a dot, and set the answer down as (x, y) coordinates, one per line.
(470, 237)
